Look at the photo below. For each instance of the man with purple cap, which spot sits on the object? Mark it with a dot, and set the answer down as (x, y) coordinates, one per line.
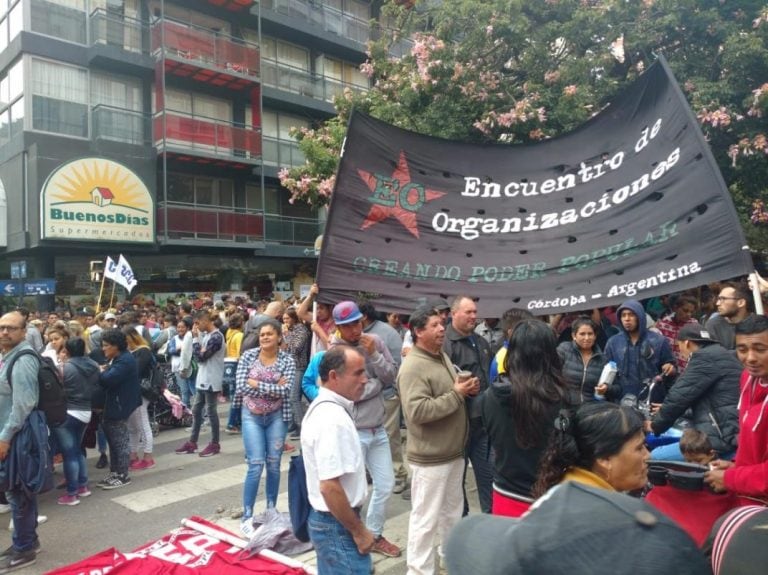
(381, 371)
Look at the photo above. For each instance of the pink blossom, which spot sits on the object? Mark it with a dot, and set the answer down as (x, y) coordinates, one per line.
(570, 90)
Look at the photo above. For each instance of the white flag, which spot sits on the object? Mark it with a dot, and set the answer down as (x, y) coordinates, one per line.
(125, 275)
(110, 269)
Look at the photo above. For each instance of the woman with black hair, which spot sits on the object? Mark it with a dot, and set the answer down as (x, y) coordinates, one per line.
(81, 376)
(583, 362)
(518, 411)
(120, 380)
(601, 445)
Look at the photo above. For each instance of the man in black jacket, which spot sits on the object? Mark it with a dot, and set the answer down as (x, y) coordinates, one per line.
(470, 352)
(709, 386)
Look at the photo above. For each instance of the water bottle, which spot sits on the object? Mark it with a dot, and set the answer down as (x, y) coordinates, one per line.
(607, 377)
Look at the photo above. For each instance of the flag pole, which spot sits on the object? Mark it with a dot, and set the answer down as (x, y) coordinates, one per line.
(112, 297)
(101, 292)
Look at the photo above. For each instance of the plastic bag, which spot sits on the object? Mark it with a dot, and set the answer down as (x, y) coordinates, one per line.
(273, 531)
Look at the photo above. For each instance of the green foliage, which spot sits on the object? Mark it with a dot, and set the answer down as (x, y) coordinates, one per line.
(515, 71)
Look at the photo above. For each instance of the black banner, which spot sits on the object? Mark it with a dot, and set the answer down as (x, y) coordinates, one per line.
(630, 205)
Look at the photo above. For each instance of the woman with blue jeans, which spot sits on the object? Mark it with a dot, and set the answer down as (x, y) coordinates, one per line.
(265, 376)
(81, 376)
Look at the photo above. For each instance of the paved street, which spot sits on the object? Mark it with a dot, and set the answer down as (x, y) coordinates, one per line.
(157, 499)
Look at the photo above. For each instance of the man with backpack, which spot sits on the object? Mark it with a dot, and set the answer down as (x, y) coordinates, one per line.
(16, 405)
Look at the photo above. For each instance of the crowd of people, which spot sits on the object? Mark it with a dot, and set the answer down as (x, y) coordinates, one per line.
(525, 400)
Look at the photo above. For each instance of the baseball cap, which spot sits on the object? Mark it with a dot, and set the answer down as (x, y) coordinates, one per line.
(110, 316)
(575, 530)
(346, 312)
(439, 304)
(737, 541)
(696, 333)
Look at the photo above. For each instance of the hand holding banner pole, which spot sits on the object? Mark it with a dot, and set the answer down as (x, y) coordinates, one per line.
(758, 286)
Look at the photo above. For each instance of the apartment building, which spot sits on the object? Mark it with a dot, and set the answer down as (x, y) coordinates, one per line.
(156, 128)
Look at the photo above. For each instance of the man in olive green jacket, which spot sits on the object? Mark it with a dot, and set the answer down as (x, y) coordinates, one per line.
(433, 400)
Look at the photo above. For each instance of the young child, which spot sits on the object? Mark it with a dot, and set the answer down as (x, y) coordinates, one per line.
(695, 447)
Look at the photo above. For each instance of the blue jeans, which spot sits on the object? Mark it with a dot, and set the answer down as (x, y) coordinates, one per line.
(669, 451)
(263, 438)
(68, 436)
(24, 512)
(378, 460)
(335, 547)
(235, 419)
(187, 388)
(478, 451)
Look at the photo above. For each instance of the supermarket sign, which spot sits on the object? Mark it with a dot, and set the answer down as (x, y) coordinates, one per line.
(95, 199)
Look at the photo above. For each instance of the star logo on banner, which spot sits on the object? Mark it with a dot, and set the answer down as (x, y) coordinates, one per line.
(397, 196)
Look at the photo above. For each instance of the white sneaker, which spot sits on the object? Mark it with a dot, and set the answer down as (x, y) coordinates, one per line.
(40, 520)
(5, 508)
(247, 528)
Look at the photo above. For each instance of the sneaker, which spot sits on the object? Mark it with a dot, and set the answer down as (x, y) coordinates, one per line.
(142, 464)
(116, 482)
(188, 447)
(247, 528)
(17, 560)
(36, 548)
(103, 461)
(384, 547)
(400, 485)
(106, 479)
(83, 491)
(5, 508)
(68, 500)
(232, 430)
(210, 449)
(406, 494)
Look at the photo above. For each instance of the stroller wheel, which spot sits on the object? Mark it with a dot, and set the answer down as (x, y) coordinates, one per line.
(155, 427)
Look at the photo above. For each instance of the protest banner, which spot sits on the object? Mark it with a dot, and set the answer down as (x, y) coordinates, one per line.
(630, 205)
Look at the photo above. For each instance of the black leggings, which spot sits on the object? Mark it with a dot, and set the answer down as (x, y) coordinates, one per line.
(116, 431)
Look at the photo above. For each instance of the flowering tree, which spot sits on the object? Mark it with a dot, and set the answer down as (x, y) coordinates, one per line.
(514, 71)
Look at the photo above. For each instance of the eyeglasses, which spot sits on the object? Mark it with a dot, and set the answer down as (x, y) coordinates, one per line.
(722, 298)
(10, 328)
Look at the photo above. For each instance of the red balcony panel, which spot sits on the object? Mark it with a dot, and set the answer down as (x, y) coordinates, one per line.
(189, 221)
(206, 47)
(221, 138)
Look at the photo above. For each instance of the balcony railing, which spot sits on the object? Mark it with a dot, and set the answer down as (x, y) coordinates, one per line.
(206, 136)
(292, 79)
(205, 47)
(121, 125)
(190, 221)
(120, 31)
(239, 225)
(291, 231)
(282, 153)
(328, 18)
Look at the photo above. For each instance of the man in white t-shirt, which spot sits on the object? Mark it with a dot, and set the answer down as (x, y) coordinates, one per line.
(335, 467)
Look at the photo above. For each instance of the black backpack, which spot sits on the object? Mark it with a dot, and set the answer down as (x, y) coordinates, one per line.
(152, 386)
(53, 397)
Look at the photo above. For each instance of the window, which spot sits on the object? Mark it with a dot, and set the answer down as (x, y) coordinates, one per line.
(200, 191)
(11, 101)
(59, 98)
(117, 108)
(253, 199)
(65, 19)
(15, 20)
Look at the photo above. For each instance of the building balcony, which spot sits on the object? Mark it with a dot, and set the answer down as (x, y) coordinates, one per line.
(205, 55)
(226, 224)
(121, 125)
(205, 140)
(328, 18)
(282, 153)
(291, 79)
(213, 223)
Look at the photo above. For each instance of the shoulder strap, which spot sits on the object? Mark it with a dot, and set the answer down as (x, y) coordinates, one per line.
(316, 403)
(9, 371)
